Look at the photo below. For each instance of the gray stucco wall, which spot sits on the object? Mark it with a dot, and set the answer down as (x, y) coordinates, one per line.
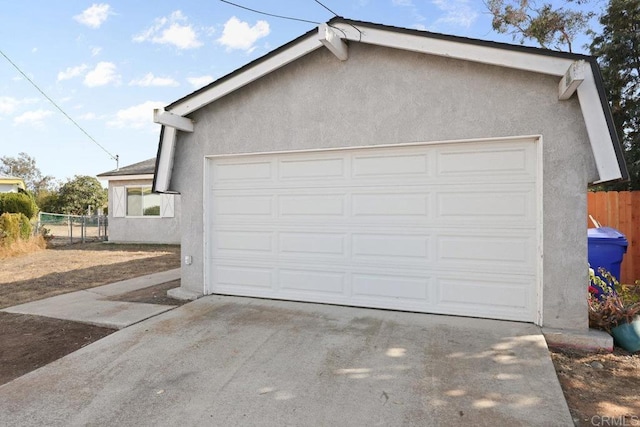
(143, 230)
(385, 96)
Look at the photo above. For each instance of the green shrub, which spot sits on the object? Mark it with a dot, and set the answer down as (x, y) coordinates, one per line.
(14, 227)
(17, 203)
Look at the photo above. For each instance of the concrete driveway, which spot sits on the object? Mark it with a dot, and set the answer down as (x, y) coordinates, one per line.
(242, 361)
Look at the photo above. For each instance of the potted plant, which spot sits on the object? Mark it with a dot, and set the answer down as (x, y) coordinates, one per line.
(615, 308)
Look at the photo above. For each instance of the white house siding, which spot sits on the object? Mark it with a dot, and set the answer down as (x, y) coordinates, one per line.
(382, 96)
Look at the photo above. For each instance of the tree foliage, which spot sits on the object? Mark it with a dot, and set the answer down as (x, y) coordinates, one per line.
(77, 195)
(618, 52)
(549, 26)
(24, 166)
(17, 203)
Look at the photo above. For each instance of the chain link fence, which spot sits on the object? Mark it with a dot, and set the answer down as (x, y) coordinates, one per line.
(66, 229)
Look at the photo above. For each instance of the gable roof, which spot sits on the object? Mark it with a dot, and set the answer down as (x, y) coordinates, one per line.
(145, 167)
(604, 141)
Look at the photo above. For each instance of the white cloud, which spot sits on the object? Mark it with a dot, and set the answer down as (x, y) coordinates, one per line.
(72, 72)
(33, 118)
(9, 105)
(94, 16)
(239, 35)
(151, 80)
(136, 117)
(103, 74)
(456, 13)
(34, 50)
(172, 30)
(95, 51)
(87, 116)
(200, 81)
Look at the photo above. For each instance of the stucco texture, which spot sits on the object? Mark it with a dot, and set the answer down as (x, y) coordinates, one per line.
(387, 96)
(143, 230)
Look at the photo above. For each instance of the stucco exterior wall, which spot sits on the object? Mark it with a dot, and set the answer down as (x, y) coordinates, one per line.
(386, 96)
(143, 230)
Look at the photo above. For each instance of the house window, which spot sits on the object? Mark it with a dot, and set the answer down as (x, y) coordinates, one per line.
(142, 202)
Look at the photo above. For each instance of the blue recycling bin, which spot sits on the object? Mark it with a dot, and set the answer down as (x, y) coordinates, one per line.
(607, 247)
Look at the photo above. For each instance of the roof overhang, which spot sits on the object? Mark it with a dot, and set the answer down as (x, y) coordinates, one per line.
(125, 177)
(337, 33)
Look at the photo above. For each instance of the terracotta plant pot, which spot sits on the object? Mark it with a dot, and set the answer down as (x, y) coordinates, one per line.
(627, 336)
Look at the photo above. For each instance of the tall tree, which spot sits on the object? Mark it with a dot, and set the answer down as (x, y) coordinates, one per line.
(79, 195)
(549, 26)
(24, 166)
(618, 52)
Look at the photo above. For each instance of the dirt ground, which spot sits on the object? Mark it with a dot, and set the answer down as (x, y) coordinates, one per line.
(28, 342)
(595, 385)
(598, 385)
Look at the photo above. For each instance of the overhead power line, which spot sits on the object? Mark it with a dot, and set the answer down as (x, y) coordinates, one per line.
(269, 14)
(114, 157)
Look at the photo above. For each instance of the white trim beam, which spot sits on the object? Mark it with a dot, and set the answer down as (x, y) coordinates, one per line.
(167, 118)
(571, 80)
(245, 77)
(452, 49)
(165, 163)
(332, 41)
(598, 131)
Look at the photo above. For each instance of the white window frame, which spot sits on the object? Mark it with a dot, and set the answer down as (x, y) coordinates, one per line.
(126, 200)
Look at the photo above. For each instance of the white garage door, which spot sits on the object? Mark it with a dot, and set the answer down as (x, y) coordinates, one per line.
(445, 228)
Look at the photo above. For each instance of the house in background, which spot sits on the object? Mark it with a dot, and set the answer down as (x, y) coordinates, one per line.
(11, 184)
(136, 214)
(375, 166)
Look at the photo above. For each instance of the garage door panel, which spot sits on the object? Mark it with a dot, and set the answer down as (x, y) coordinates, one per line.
(313, 281)
(245, 205)
(243, 277)
(482, 249)
(390, 205)
(468, 205)
(312, 205)
(390, 286)
(312, 243)
(390, 165)
(506, 295)
(233, 171)
(312, 168)
(445, 228)
(382, 247)
(478, 161)
(238, 242)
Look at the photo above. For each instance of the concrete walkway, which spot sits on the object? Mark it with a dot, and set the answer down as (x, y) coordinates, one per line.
(93, 307)
(242, 361)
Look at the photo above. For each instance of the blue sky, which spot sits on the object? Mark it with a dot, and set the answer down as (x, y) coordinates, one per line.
(108, 64)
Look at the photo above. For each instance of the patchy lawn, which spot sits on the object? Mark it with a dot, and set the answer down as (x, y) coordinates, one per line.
(81, 266)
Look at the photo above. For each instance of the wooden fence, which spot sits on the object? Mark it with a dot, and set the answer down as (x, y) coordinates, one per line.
(620, 210)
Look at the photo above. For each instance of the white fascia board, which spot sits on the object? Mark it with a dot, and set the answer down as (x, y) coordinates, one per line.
(126, 177)
(598, 130)
(173, 120)
(165, 163)
(265, 67)
(332, 41)
(452, 49)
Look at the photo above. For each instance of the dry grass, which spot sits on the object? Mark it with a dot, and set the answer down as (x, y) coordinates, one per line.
(23, 247)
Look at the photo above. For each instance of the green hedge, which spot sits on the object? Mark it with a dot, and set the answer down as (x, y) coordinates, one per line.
(17, 203)
(14, 226)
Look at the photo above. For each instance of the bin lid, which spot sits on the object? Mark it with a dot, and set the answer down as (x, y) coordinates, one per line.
(611, 235)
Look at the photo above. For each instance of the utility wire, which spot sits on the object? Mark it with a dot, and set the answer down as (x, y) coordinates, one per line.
(269, 14)
(338, 16)
(116, 157)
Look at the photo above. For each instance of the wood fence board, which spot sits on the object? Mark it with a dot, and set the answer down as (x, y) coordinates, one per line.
(620, 210)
